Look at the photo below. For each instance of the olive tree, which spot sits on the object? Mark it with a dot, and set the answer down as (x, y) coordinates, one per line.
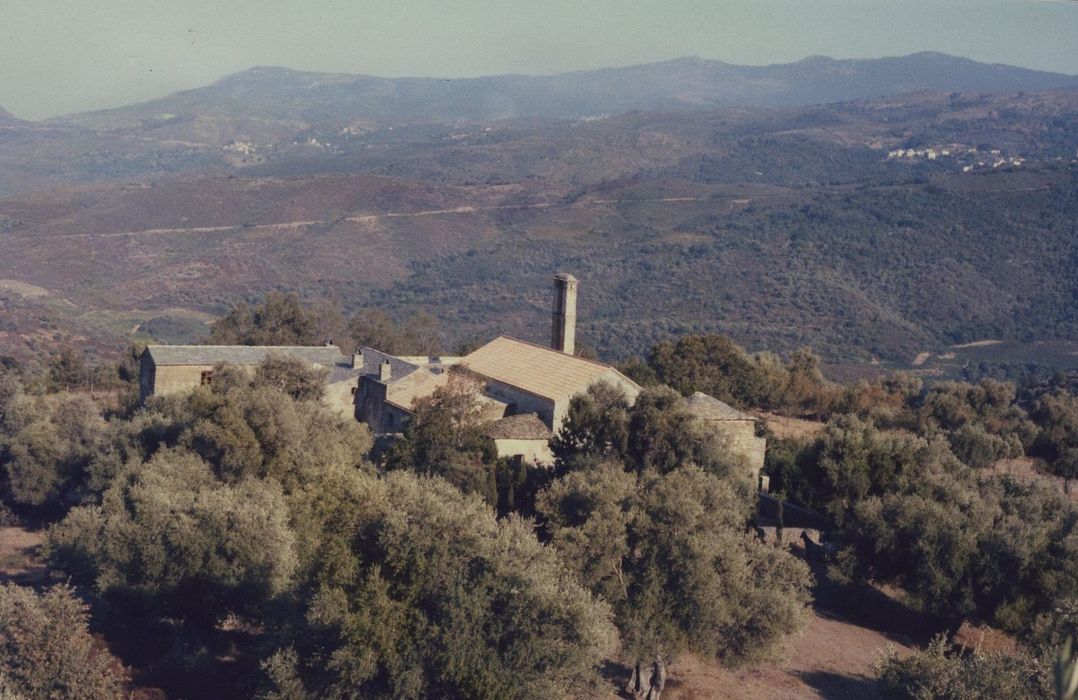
(46, 650)
(169, 538)
(445, 438)
(52, 441)
(671, 554)
(656, 432)
(417, 590)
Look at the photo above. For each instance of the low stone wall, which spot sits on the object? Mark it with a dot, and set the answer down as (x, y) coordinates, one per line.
(532, 451)
(789, 535)
(767, 509)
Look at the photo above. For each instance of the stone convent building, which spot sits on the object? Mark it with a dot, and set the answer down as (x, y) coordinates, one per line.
(525, 388)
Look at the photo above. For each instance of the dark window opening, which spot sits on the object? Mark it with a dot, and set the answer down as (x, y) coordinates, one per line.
(206, 378)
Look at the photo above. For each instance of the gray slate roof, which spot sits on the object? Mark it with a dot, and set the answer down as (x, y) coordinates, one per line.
(326, 355)
(708, 407)
(373, 359)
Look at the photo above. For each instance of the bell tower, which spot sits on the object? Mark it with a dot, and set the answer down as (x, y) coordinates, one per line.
(563, 333)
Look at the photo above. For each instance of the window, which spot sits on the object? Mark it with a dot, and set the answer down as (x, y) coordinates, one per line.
(207, 377)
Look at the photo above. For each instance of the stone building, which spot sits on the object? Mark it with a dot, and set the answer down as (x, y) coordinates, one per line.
(524, 385)
(737, 428)
(169, 369)
(518, 379)
(526, 389)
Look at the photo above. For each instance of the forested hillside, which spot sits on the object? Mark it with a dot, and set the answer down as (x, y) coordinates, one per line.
(872, 230)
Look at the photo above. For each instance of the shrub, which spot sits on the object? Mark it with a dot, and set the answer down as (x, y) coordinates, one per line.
(671, 554)
(46, 650)
(945, 673)
(417, 590)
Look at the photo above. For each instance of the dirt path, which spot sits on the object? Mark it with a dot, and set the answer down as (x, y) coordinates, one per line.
(832, 658)
(367, 218)
(20, 559)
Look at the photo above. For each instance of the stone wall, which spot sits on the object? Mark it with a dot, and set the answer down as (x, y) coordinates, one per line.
(340, 397)
(742, 441)
(521, 401)
(533, 451)
(173, 379)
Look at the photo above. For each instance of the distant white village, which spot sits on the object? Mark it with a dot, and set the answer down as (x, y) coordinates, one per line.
(972, 157)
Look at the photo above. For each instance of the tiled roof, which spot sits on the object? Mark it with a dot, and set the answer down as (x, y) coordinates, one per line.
(523, 427)
(421, 383)
(373, 359)
(709, 408)
(536, 369)
(324, 355)
(418, 384)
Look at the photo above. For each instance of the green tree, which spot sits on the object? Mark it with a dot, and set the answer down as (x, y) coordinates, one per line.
(671, 554)
(250, 427)
(806, 389)
(656, 432)
(853, 460)
(445, 437)
(374, 328)
(715, 365)
(419, 335)
(417, 590)
(46, 650)
(170, 539)
(67, 369)
(595, 427)
(45, 459)
(1057, 442)
(281, 319)
(292, 376)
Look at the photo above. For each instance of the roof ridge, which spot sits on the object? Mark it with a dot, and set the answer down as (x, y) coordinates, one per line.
(559, 352)
(283, 347)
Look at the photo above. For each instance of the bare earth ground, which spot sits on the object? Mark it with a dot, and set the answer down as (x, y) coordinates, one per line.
(849, 629)
(20, 561)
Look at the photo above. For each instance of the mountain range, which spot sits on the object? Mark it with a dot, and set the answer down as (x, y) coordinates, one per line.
(877, 227)
(676, 85)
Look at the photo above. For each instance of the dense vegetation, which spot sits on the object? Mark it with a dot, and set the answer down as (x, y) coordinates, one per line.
(778, 228)
(878, 271)
(435, 569)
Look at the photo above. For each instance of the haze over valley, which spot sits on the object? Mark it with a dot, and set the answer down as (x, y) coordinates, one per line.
(913, 211)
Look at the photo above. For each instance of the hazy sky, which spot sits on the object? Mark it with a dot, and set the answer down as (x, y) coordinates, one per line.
(59, 56)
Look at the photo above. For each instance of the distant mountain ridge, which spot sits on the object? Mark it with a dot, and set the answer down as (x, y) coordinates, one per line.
(7, 117)
(681, 84)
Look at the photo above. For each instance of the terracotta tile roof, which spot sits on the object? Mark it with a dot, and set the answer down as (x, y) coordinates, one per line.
(709, 408)
(523, 427)
(536, 369)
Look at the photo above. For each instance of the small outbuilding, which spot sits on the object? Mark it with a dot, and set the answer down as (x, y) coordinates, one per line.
(169, 369)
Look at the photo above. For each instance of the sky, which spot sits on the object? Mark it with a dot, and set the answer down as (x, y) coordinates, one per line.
(63, 56)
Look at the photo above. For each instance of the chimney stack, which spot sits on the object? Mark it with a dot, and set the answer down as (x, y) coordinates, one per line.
(563, 334)
(385, 371)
